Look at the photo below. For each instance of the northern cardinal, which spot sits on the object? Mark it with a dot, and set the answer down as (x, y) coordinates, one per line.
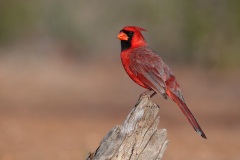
(145, 67)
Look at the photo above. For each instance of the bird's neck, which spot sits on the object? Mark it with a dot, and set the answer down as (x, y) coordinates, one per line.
(131, 43)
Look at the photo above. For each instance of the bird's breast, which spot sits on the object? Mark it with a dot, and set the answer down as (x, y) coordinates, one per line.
(126, 61)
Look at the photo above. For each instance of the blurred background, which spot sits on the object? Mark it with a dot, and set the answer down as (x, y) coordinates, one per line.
(63, 87)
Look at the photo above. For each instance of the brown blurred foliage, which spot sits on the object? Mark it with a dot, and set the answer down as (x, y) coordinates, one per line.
(205, 33)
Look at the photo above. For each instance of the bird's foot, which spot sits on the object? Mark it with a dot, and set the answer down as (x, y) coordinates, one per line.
(144, 94)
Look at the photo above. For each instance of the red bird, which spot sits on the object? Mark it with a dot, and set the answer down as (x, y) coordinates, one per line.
(145, 67)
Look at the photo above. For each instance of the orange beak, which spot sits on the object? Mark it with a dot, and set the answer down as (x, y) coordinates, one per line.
(122, 36)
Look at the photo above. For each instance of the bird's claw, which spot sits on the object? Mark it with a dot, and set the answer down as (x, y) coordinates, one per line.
(143, 95)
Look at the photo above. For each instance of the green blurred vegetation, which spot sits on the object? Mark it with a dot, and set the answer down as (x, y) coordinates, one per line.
(191, 32)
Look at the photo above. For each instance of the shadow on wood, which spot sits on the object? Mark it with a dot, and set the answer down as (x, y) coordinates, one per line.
(137, 139)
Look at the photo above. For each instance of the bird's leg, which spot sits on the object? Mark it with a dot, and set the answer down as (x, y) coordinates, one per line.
(145, 93)
(153, 94)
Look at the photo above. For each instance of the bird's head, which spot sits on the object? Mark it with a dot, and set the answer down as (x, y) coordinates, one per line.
(131, 37)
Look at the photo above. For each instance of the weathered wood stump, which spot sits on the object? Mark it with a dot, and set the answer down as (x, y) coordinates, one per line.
(137, 139)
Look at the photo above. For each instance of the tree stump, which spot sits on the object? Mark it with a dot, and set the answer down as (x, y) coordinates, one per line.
(137, 139)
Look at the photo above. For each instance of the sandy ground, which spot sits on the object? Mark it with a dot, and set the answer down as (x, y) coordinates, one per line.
(60, 111)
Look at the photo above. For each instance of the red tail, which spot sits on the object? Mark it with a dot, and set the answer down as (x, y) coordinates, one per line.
(180, 102)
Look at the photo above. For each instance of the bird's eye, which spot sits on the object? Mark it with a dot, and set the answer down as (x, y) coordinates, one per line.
(130, 33)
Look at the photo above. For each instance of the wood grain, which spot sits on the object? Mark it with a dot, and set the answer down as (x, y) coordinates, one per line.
(137, 139)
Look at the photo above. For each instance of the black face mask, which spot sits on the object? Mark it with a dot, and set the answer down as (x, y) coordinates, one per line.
(126, 44)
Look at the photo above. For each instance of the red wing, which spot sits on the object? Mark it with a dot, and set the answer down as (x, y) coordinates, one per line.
(147, 66)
